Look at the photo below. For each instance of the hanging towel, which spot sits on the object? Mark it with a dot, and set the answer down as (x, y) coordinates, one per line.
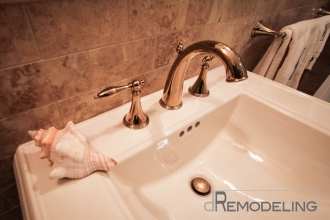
(286, 59)
(320, 45)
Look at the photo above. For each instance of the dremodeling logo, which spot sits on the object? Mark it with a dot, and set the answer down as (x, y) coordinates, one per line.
(219, 199)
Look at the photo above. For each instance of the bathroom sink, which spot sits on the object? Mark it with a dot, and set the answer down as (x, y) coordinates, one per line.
(240, 143)
(255, 142)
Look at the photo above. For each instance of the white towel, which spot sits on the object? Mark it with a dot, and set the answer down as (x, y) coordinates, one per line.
(320, 45)
(286, 59)
(274, 56)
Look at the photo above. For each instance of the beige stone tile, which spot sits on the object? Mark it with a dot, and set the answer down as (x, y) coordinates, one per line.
(154, 80)
(63, 27)
(250, 48)
(278, 20)
(232, 9)
(148, 17)
(166, 45)
(230, 32)
(252, 62)
(304, 13)
(285, 18)
(13, 1)
(202, 12)
(36, 84)
(118, 62)
(288, 4)
(14, 130)
(84, 106)
(266, 6)
(195, 65)
(16, 44)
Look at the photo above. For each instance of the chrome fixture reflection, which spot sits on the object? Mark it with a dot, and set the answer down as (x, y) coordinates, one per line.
(260, 29)
(321, 12)
(235, 69)
(136, 118)
(199, 88)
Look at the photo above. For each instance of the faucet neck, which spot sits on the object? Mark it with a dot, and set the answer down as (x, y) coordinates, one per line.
(235, 69)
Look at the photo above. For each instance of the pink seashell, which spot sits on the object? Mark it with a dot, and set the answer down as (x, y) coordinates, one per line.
(70, 152)
(44, 140)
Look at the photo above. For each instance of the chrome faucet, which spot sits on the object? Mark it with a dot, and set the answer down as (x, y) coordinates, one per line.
(235, 69)
(135, 118)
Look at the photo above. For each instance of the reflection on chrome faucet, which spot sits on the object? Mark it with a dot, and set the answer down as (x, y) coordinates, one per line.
(235, 69)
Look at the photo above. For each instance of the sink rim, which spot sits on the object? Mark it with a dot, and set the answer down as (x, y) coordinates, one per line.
(304, 108)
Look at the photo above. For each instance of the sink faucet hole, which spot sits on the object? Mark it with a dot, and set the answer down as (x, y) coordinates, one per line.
(200, 186)
(197, 124)
(181, 133)
(189, 128)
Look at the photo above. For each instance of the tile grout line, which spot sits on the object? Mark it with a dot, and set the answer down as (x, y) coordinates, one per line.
(8, 199)
(3, 158)
(4, 213)
(59, 114)
(28, 20)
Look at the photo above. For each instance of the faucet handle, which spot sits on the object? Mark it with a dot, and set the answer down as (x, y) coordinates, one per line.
(199, 88)
(135, 118)
(207, 59)
(136, 85)
(179, 48)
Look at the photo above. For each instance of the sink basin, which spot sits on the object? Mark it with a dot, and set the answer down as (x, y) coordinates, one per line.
(240, 143)
(256, 142)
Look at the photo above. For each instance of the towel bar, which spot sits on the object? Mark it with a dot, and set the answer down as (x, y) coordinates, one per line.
(321, 12)
(260, 29)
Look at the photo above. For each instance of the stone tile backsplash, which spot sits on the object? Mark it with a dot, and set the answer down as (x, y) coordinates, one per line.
(55, 55)
(34, 85)
(16, 45)
(63, 27)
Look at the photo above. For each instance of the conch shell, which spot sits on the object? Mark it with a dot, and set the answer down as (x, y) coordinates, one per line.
(70, 152)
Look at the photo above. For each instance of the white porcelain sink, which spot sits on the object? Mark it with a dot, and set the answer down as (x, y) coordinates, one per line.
(255, 141)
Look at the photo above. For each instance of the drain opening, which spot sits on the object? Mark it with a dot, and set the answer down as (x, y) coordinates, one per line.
(200, 186)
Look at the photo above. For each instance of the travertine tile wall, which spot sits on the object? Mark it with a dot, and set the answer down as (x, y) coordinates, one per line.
(55, 55)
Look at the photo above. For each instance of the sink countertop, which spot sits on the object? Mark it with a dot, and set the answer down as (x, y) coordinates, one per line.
(44, 198)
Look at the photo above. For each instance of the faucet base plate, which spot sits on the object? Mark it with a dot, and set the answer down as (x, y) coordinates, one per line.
(137, 123)
(167, 107)
(198, 93)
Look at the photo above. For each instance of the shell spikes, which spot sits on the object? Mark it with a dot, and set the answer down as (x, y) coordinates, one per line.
(70, 152)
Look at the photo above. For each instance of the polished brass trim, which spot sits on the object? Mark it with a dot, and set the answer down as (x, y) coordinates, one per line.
(260, 29)
(170, 107)
(235, 69)
(179, 48)
(199, 89)
(200, 186)
(136, 118)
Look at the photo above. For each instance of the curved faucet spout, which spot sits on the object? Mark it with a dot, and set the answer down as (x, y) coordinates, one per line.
(235, 69)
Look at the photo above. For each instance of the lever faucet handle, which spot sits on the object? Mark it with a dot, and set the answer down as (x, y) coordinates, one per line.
(112, 91)
(136, 118)
(136, 85)
(199, 88)
(207, 58)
